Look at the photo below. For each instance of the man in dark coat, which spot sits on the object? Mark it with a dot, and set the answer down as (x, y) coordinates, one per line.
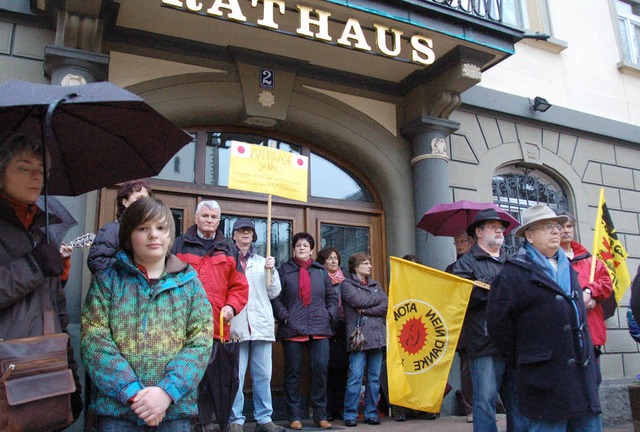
(538, 320)
(488, 367)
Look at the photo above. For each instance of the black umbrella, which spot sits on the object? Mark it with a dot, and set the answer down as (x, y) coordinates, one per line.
(220, 383)
(99, 134)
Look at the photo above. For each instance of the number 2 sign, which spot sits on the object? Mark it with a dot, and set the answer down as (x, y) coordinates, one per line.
(267, 79)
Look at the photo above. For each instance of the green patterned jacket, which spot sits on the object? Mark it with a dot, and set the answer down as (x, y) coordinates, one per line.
(135, 335)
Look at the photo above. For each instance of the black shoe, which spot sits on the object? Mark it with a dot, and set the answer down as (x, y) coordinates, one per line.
(372, 421)
(401, 417)
(351, 423)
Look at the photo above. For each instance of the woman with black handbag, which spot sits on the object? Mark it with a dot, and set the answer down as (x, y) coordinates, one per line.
(30, 290)
(365, 307)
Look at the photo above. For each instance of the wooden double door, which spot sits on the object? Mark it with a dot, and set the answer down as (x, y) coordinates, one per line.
(347, 229)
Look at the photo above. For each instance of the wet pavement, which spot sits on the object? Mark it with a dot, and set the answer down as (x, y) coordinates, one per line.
(442, 424)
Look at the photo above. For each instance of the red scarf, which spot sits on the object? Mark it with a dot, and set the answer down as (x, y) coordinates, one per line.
(304, 281)
(25, 212)
(336, 276)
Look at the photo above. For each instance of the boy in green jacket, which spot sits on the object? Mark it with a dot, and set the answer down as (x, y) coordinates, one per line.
(146, 329)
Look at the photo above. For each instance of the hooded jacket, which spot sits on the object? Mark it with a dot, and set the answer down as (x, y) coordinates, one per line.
(294, 318)
(371, 299)
(219, 270)
(135, 335)
(24, 289)
(601, 289)
(544, 332)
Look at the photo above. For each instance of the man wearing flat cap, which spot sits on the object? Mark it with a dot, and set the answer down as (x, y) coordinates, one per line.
(255, 329)
(488, 367)
(537, 318)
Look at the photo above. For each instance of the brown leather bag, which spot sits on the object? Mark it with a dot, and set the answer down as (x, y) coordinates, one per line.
(36, 382)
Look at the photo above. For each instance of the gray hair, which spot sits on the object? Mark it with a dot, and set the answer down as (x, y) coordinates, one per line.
(12, 144)
(213, 205)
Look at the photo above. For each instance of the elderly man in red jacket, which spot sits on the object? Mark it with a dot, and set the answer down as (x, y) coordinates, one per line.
(215, 258)
(593, 293)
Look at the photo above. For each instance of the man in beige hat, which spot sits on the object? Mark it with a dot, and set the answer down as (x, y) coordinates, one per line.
(488, 367)
(537, 319)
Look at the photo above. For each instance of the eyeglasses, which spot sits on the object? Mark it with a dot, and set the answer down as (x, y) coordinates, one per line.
(548, 227)
(495, 228)
(460, 242)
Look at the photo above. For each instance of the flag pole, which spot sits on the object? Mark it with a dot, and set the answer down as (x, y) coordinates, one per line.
(269, 237)
(596, 236)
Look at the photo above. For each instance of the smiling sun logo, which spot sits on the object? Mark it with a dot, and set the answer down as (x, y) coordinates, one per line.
(422, 334)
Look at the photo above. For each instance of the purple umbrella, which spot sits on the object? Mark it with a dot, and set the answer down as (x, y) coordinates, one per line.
(450, 219)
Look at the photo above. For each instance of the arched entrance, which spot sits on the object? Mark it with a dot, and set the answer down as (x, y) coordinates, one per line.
(342, 211)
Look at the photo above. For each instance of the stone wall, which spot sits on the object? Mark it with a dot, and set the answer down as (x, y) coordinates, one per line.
(582, 164)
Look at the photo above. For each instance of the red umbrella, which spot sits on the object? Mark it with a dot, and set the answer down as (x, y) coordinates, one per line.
(450, 219)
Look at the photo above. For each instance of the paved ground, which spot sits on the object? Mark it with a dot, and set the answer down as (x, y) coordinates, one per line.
(442, 424)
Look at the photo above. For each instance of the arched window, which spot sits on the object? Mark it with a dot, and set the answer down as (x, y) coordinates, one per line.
(516, 189)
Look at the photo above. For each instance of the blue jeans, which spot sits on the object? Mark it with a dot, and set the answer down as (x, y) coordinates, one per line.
(319, 364)
(488, 373)
(592, 423)
(258, 353)
(115, 424)
(358, 360)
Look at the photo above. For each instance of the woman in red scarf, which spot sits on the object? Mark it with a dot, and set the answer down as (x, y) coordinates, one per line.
(305, 309)
(30, 269)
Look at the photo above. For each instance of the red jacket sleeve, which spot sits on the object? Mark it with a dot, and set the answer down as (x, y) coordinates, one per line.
(601, 287)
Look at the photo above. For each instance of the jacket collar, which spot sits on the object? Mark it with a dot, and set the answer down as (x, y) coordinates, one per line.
(480, 253)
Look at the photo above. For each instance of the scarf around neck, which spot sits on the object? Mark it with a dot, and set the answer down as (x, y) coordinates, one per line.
(304, 280)
(562, 276)
(336, 277)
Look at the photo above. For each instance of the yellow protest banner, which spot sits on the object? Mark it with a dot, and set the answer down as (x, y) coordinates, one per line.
(426, 311)
(267, 170)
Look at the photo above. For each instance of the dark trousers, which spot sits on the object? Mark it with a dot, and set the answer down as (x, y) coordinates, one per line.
(319, 362)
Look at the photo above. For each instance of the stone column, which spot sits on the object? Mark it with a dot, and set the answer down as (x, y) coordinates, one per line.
(430, 182)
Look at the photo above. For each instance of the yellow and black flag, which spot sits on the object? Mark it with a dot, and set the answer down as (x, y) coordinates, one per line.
(424, 319)
(608, 248)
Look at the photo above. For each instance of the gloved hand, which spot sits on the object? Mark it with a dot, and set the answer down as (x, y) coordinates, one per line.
(48, 258)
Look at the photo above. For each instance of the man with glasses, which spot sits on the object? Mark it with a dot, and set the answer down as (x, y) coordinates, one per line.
(488, 367)
(593, 292)
(537, 318)
(462, 242)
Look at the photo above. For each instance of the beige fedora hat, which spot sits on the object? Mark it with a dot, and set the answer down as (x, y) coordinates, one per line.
(536, 213)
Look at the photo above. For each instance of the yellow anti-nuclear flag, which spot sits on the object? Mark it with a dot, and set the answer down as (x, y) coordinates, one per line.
(424, 319)
(267, 170)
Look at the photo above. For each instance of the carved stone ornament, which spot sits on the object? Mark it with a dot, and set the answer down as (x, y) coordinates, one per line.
(531, 153)
(72, 80)
(266, 99)
(471, 71)
(438, 146)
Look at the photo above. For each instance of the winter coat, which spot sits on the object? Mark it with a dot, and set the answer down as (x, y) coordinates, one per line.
(372, 301)
(255, 321)
(477, 265)
(102, 253)
(294, 318)
(536, 325)
(601, 289)
(135, 335)
(24, 289)
(219, 270)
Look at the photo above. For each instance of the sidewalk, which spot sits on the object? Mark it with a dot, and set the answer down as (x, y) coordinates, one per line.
(442, 424)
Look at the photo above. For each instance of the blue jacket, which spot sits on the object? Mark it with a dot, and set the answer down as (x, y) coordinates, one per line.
(295, 319)
(136, 335)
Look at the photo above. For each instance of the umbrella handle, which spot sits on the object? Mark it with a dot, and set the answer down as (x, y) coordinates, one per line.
(221, 327)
